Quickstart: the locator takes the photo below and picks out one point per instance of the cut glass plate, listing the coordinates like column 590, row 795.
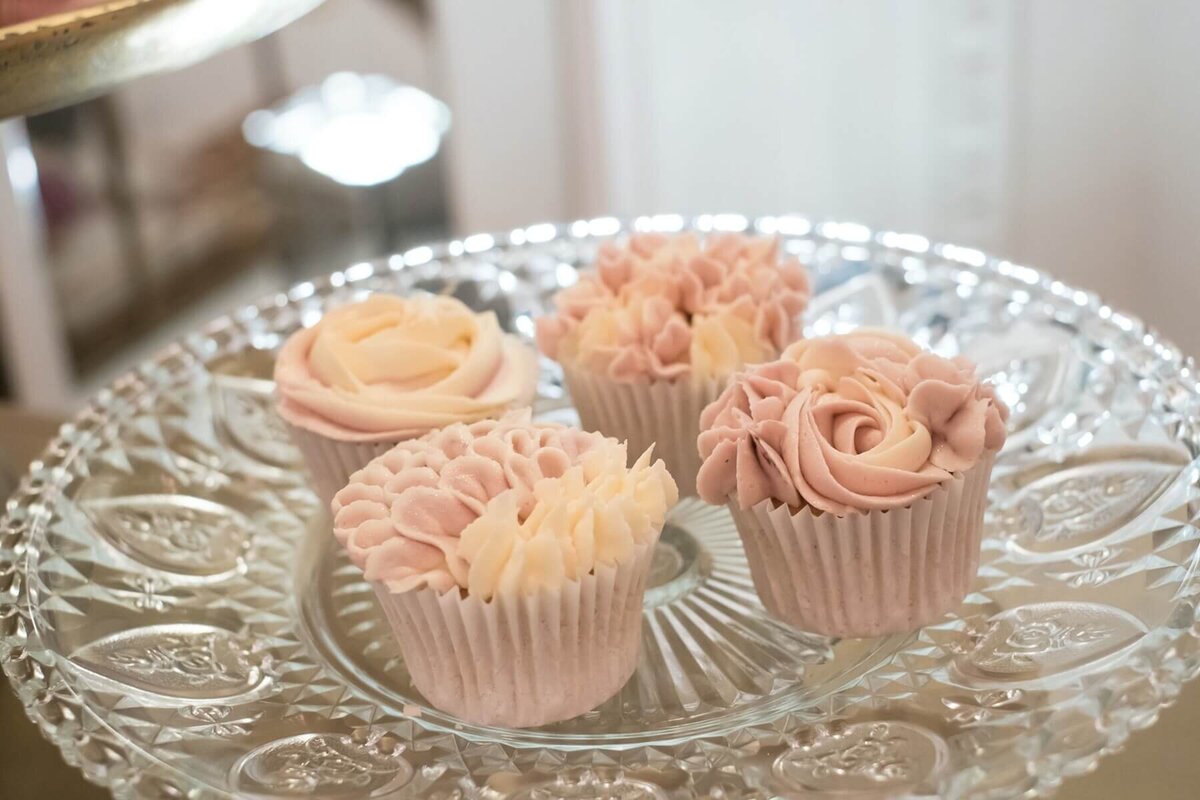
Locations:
column 175, row 617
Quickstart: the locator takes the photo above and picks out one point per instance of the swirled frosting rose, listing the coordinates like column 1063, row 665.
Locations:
column 861, row 422
column 505, row 506
column 670, row 307
column 395, row 367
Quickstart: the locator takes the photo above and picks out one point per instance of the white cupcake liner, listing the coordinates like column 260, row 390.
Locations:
column 523, row 661
column 331, row 462
column 663, row 413
column 868, row 573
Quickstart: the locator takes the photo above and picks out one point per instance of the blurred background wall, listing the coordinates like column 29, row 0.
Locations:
column 1058, row 133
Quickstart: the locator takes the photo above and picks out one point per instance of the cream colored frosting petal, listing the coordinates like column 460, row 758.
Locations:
column 393, row 367
column 512, row 507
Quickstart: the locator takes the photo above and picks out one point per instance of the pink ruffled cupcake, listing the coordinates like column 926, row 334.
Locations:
column 649, row 337
column 856, row 468
column 510, row 558
column 374, row 373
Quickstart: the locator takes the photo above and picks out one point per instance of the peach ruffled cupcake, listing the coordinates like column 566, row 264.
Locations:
column 510, row 558
column 650, row 336
column 374, row 373
column 856, row 468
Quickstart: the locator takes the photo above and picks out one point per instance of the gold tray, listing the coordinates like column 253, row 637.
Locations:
column 56, row 60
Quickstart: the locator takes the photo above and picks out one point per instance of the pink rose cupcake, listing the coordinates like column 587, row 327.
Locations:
column 856, row 468
column 371, row 374
column 510, row 558
column 650, row 337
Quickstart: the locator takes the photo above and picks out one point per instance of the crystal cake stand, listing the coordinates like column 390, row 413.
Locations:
column 174, row 618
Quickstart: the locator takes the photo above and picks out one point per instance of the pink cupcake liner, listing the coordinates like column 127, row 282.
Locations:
column 331, row 462
column 868, row 573
column 523, row 661
column 663, row 413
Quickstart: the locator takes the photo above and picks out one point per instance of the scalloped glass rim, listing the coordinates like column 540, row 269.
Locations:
column 35, row 673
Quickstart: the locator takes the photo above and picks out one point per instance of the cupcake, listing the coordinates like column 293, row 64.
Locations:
column 374, row 373
column 856, row 468
column 650, row 336
column 510, row 558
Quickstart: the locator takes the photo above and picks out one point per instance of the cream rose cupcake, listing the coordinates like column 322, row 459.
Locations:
column 856, row 468
column 649, row 337
column 374, row 373
column 510, row 558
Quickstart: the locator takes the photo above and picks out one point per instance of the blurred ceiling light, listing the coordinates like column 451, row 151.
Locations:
column 358, row 130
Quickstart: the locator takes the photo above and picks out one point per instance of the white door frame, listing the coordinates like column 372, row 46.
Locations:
column 35, row 349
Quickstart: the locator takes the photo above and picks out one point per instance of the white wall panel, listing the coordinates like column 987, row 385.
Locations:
column 1062, row 133
column 499, row 68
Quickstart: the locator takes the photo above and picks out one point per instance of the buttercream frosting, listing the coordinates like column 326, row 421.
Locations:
column 507, row 506
column 395, row 367
column 670, row 307
column 863, row 421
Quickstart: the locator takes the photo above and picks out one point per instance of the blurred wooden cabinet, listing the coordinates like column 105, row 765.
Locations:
column 151, row 200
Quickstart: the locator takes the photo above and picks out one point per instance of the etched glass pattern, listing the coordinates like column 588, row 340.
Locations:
column 175, row 617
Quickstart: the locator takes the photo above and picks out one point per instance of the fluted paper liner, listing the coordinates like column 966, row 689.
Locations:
column 523, row 661
column 868, row 573
column 331, row 462
column 663, row 413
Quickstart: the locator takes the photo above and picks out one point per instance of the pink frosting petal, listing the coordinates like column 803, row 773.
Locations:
column 397, row 558
column 667, row 281
column 548, row 332
column 960, row 442
column 671, row 344
column 402, row 515
column 718, row 474
column 963, row 416
column 994, row 432
column 613, row 267
column 934, row 402
column 857, row 422
column 765, row 463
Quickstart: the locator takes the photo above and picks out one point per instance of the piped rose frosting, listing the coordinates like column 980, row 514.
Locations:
column 864, row 421
column 395, row 367
column 670, row 307
column 507, row 506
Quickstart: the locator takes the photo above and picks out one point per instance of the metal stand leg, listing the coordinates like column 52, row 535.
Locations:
column 35, row 349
